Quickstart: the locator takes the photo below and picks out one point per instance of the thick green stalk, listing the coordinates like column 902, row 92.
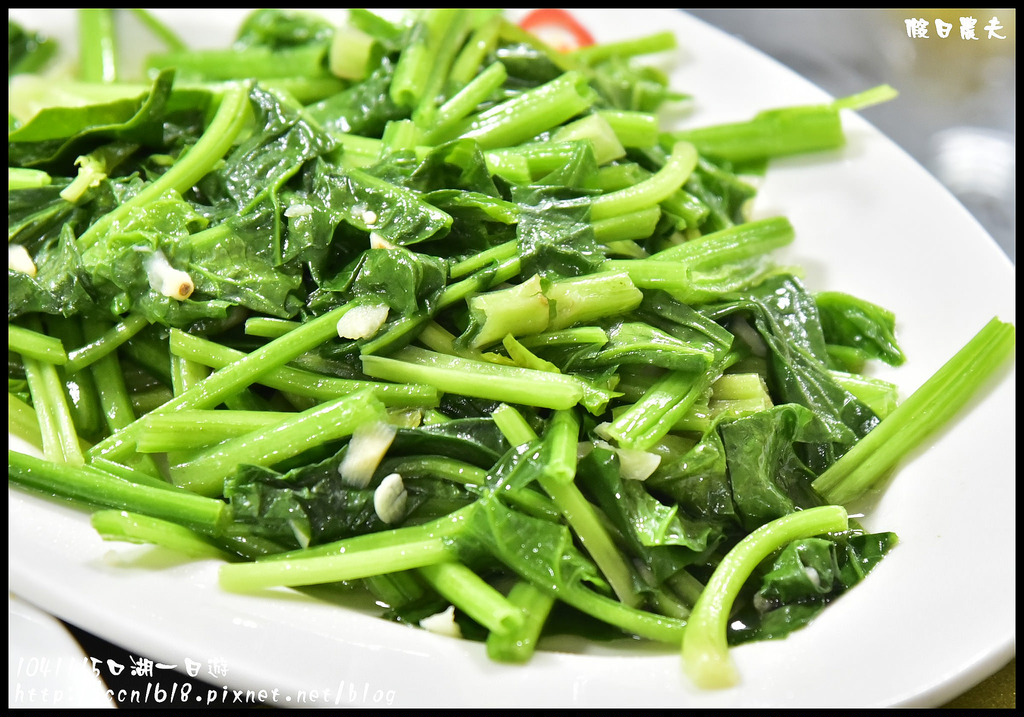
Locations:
column 94, row 487
column 36, row 345
column 124, row 526
column 296, row 570
column 627, row 227
column 466, row 100
column 23, row 422
column 235, row 376
column 704, row 647
column 474, row 596
column 24, row 178
column 101, row 346
column 467, row 64
column 656, row 188
column 519, row 645
column 420, row 53
column 80, row 389
column 656, row 413
column 530, row 113
column 634, row 129
column 732, row 244
column 602, row 51
column 558, row 457
column 191, row 429
column 299, row 381
column 293, row 434
column 926, row 410
column 97, row 45
column 774, row 133
column 57, row 426
column 480, row 379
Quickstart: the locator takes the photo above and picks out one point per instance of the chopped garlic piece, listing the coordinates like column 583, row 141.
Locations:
column 19, row 260
column 362, row 322
column 365, row 451
column 166, row 280
column 633, row 464
column 390, row 498
column 369, row 217
column 813, row 576
column 443, row 623
column 298, row 210
column 379, row 242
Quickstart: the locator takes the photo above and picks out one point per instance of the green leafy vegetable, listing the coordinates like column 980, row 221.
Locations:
column 430, row 309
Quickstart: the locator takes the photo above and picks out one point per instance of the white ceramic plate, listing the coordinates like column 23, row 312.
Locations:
column 936, row 617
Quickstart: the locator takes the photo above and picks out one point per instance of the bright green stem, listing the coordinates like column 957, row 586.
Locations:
column 36, row 345
column 466, row 66
column 269, row 328
column 633, row 129
column 575, row 336
column 94, row 487
column 656, row 188
column 602, row 51
column 626, row 227
column 124, row 526
column 629, row 619
column 483, row 259
column 299, row 381
column 479, row 379
column 705, row 648
column 448, row 45
column 519, row 645
column 466, row 100
column 185, row 374
column 773, row 133
column 926, row 410
column 25, row 178
column 115, row 402
column 196, row 163
column 295, row 433
column 867, row 98
column 439, row 466
column 97, row 45
column 474, row 596
column 530, row 113
column 80, row 388
column 56, row 424
column 648, row 420
column 584, row 299
column 582, row 517
column 731, row 245
column 235, row 376
column 593, row 128
column 112, row 339
column 295, row 570
column 353, row 54
column 558, row 456
column 560, row 447
column 419, row 55
column 23, row 422
column 190, row 429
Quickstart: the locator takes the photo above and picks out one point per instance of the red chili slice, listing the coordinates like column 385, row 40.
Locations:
column 558, row 28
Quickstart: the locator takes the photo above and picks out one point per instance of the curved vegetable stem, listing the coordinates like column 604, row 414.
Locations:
column 190, row 168
column 705, row 650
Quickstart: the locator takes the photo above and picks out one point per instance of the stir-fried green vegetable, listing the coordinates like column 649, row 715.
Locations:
column 431, row 309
